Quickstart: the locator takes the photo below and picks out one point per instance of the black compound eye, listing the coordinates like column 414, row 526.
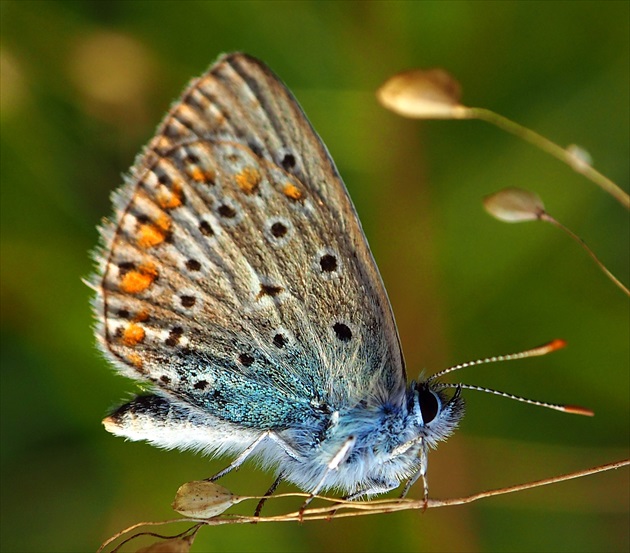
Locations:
column 429, row 405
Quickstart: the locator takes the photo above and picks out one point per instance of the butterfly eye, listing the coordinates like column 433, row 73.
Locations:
column 429, row 404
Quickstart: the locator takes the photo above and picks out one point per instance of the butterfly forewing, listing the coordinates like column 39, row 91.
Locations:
column 236, row 275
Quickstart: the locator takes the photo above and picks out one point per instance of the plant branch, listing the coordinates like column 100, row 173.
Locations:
column 343, row 509
column 552, row 148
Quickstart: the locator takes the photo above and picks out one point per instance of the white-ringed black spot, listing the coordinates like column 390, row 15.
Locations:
column 206, row 229
column 123, row 314
column 278, row 230
column 192, row 158
column 125, row 267
column 164, row 179
column 343, row 332
column 280, row 340
column 188, row 301
column 193, row 265
column 174, row 335
column 328, row 263
column 218, row 399
column 246, row 359
column 165, row 379
column 200, row 385
column 269, row 290
column 288, row 162
column 209, row 178
column 227, row 211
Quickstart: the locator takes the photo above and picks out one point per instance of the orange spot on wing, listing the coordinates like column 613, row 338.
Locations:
column 292, row 191
column 135, row 360
column 196, row 174
column 248, row 180
column 141, row 316
column 205, row 176
column 138, row 280
column 170, row 199
column 150, row 235
column 133, row 335
column 164, row 222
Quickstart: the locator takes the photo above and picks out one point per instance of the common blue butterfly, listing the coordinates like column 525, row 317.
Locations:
column 235, row 279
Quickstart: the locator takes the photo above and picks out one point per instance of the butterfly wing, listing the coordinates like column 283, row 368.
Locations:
column 236, row 276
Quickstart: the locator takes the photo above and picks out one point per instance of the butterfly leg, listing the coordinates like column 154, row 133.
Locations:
column 284, row 446
column 240, row 459
column 421, row 472
column 291, row 453
column 250, row 448
column 268, row 494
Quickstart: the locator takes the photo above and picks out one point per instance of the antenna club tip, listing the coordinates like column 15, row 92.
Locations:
column 577, row 410
column 556, row 344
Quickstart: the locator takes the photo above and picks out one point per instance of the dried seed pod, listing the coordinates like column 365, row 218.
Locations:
column 420, row 94
column 513, row 205
column 203, row 499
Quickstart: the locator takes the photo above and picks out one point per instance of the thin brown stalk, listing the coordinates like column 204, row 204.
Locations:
column 344, row 509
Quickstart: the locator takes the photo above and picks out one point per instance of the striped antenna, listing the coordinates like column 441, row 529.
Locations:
column 573, row 409
column 534, row 352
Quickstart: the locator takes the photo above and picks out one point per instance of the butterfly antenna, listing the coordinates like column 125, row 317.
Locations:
column 534, row 352
column 573, row 409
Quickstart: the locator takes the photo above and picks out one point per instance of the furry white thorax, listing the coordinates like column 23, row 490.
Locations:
column 389, row 443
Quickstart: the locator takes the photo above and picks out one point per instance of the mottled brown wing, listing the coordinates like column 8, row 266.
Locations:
column 236, row 261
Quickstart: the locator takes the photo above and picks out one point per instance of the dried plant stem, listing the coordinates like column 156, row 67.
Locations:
column 549, row 219
column 529, row 485
column 343, row 509
column 392, row 505
column 189, row 531
column 550, row 147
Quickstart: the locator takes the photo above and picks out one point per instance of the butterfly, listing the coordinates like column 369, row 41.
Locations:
column 235, row 280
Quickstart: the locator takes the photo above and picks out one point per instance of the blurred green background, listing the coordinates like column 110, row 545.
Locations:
column 84, row 84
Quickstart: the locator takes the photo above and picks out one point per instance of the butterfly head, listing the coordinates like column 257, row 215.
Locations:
column 434, row 413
